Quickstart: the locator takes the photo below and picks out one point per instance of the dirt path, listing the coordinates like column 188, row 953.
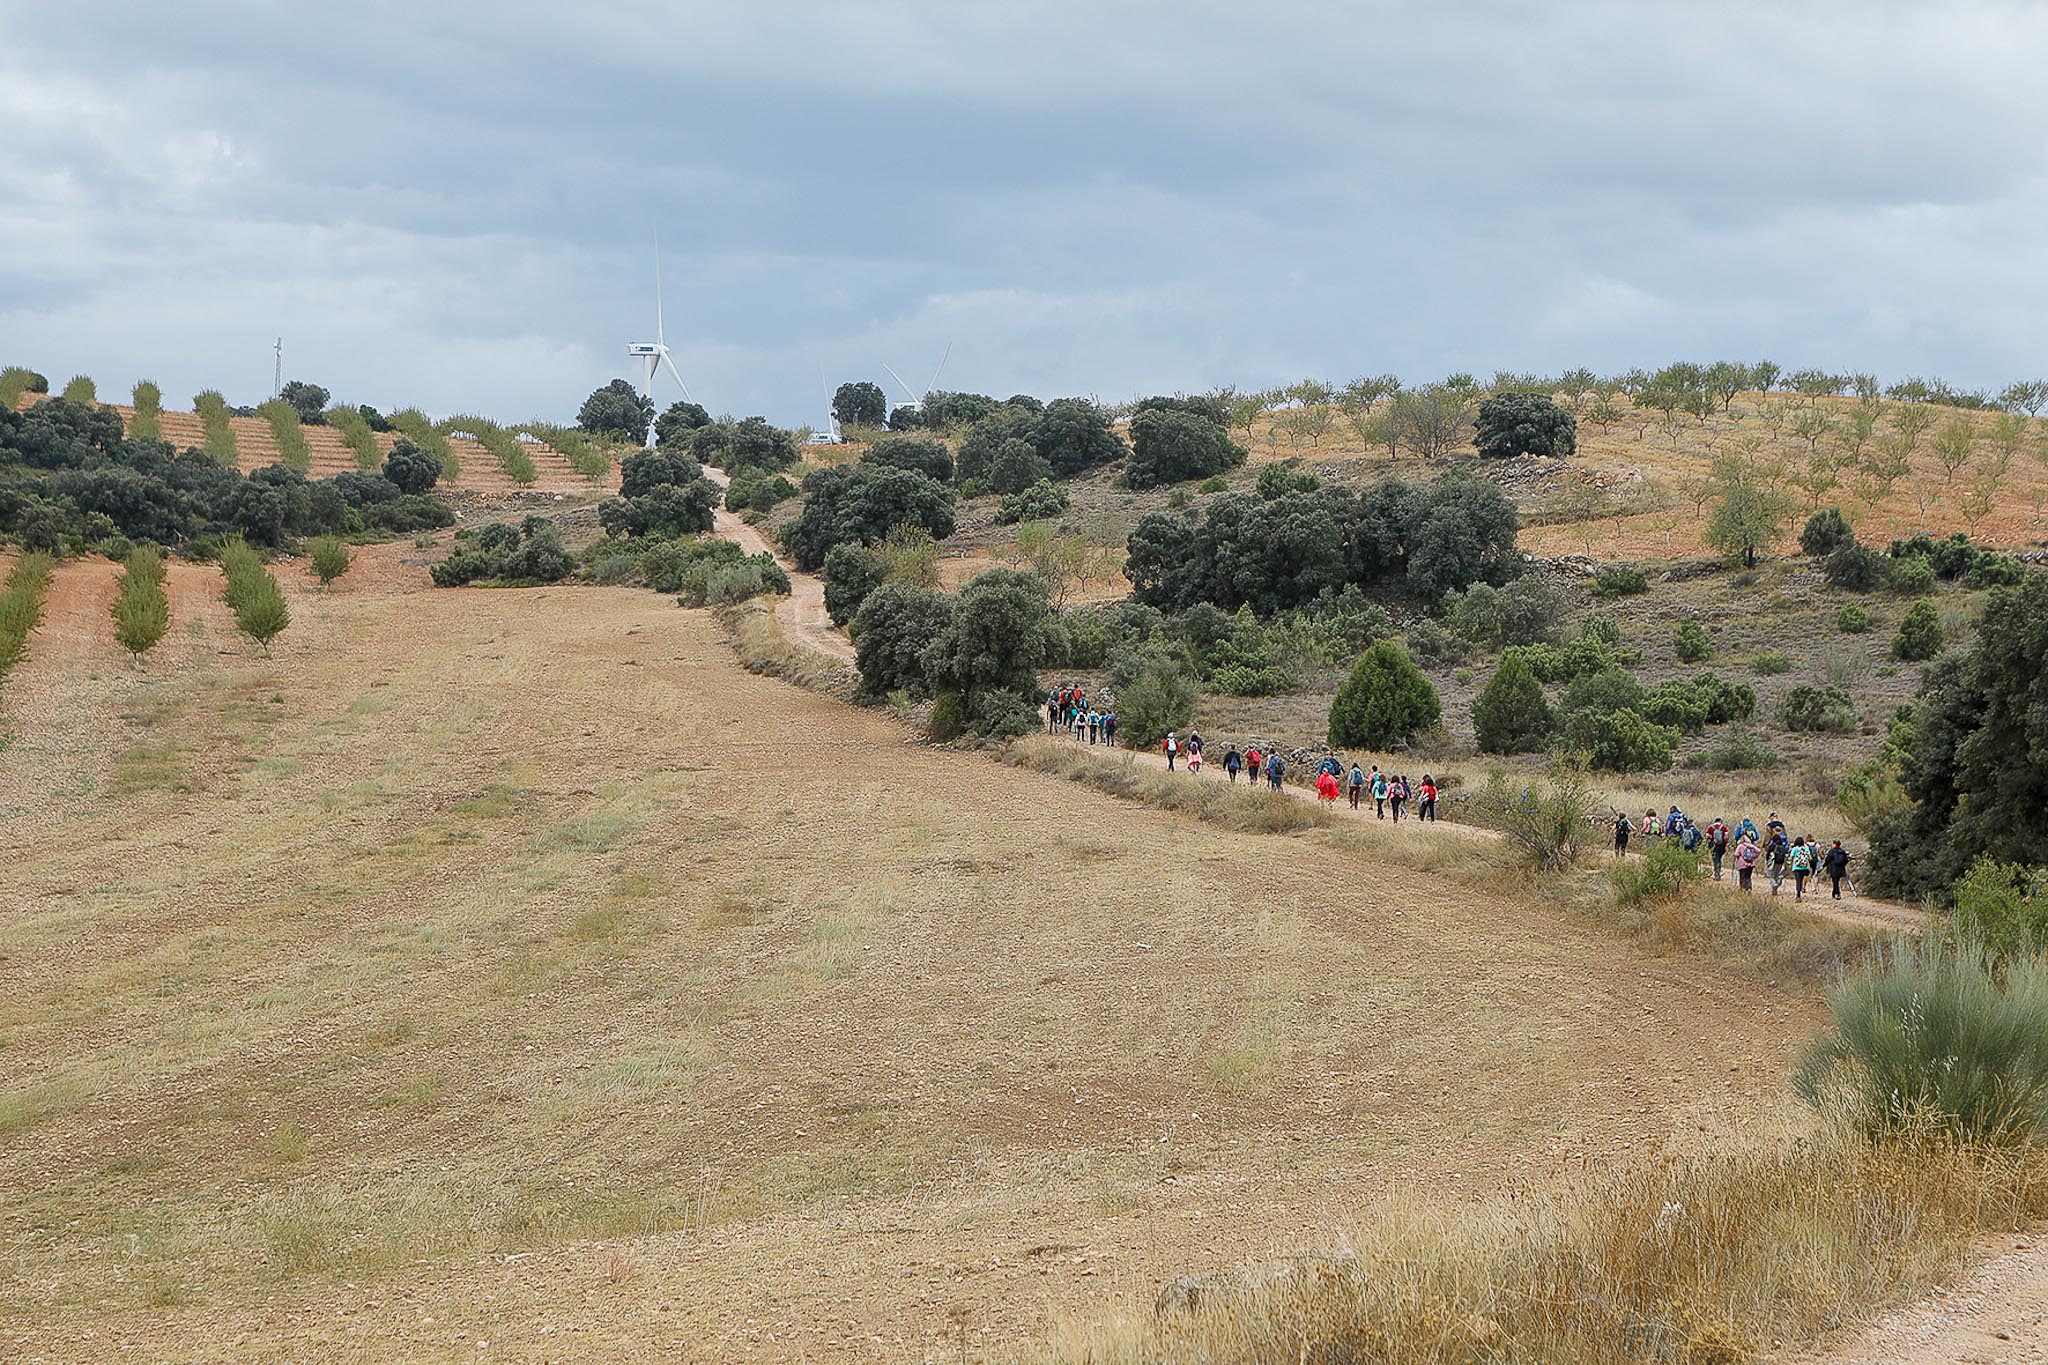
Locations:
column 1860, row 912
column 1997, row 1315
column 802, row 613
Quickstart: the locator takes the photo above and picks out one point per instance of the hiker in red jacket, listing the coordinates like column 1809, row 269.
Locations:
column 1326, row 787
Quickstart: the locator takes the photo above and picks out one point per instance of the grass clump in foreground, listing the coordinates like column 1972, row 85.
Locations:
column 21, row 606
column 1253, row 810
column 143, row 423
column 219, row 438
column 292, row 451
column 355, row 431
column 762, row 647
column 141, row 612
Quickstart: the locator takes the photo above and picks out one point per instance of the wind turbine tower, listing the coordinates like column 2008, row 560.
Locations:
column 653, row 355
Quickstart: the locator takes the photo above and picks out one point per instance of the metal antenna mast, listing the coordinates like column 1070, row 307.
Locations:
column 277, row 373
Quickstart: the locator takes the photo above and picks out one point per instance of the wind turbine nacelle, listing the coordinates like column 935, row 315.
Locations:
column 821, row 438
column 645, row 349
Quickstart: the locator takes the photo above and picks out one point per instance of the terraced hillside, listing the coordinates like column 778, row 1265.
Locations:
column 481, row 471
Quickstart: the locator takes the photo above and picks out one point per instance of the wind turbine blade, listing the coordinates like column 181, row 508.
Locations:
column 677, row 373
column 658, row 336
column 908, row 392
column 941, row 370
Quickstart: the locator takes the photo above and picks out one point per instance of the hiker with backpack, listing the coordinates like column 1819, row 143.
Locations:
column 1233, row 763
column 1746, row 855
column 1717, row 843
column 1835, row 862
column 1380, row 788
column 1690, row 838
column 1426, row 808
column 1621, row 829
column 1777, row 857
column 1397, row 796
column 1326, row 785
column 1356, row 782
column 1275, row 771
column 1802, row 867
column 1171, row 744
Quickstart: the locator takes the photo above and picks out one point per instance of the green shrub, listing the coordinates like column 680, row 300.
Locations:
column 355, row 432
column 1547, row 823
column 21, row 606
column 1678, row 705
column 1995, row 571
column 1278, row 480
column 1856, row 568
column 252, row 594
column 1510, row 714
column 1620, row 580
column 1726, row 700
column 1871, row 791
column 1248, row 680
column 1931, row 1035
column 948, row 719
column 1920, row 635
column 1039, row 502
column 1692, row 643
column 1771, row 662
column 1912, row 576
column 1817, row 708
column 330, row 558
column 1431, row 643
column 1620, row 741
column 509, row 556
column 1852, row 620
column 141, row 612
column 2004, row 907
column 1384, row 703
column 1215, row 483
column 1161, row 698
column 80, row 389
column 218, row 440
column 145, row 423
column 1826, row 532
column 1740, row 752
column 1664, row 871
column 292, row 451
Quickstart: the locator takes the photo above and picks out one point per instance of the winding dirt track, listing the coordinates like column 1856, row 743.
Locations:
column 802, row 613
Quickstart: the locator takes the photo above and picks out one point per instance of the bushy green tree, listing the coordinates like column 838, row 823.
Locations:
column 330, row 558
column 1073, row 435
column 1016, row 466
column 1692, row 644
column 1619, row 741
column 1512, row 424
column 1039, row 502
column 617, row 411
column 1920, row 635
column 1817, row 707
column 1160, row 698
column 412, row 468
column 1750, row 511
column 860, row 503
column 1855, row 567
column 925, row 454
column 678, row 422
column 1384, row 703
column 309, row 401
column 851, row 572
column 859, row 403
column 891, row 631
column 1826, row 531
column 1510, row 713
column 1167, row 447
column 141, row 612
column 996, row 641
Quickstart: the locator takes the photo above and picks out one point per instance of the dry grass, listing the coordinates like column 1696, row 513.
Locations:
column 764, row 648
column 1716, row 1255
column 1243, row 807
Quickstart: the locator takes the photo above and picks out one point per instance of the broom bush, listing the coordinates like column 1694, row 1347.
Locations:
column 292, row 451
column 148, row 403
column 330, row 558
column 219, row 441
column 414, row 424
column 21, row 606
column 355, row 430
column 252, row 594
column 512, row 456
column 141, row 612
column 81, row 389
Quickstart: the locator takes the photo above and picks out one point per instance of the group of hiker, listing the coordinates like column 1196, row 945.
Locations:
column 1771, row 847
column 1387, row 791
column 1067, row 707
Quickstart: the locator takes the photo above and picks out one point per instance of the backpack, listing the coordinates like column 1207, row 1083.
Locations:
column 1690, row 840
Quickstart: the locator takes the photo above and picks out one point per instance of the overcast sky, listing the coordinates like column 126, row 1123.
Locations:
column 452, row 205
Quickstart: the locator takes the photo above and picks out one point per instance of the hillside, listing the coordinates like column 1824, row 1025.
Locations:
column 256, row 446
column 387, row 996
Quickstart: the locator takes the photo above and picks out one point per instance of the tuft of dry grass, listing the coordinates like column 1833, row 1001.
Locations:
column 764, row 649
column 1696, row 1256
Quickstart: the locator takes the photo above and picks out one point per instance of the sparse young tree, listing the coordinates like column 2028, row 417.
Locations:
column 1763, row 376
column 141, row 612
column 1911, row 421
column 1751, row 512
column 1955, row 445
column 2028, row 396
column 1811, row 425
column 1889, row 459
column 330, row 558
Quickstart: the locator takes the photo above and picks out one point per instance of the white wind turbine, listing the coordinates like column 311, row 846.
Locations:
column 652, row 355
column 916, row 400
column 829, row 436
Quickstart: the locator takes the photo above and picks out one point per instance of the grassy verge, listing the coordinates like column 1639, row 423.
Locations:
column 219, row 441
column 1717, row 1256
column 15, row 381
column 421, row 432
column 292, row 450
column 511, row 455
column 149, row 404
column 356, row 432
column 758, row 639
column 591, row 459
column 1253, row 811
column 81, row 389
column 21, row 606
